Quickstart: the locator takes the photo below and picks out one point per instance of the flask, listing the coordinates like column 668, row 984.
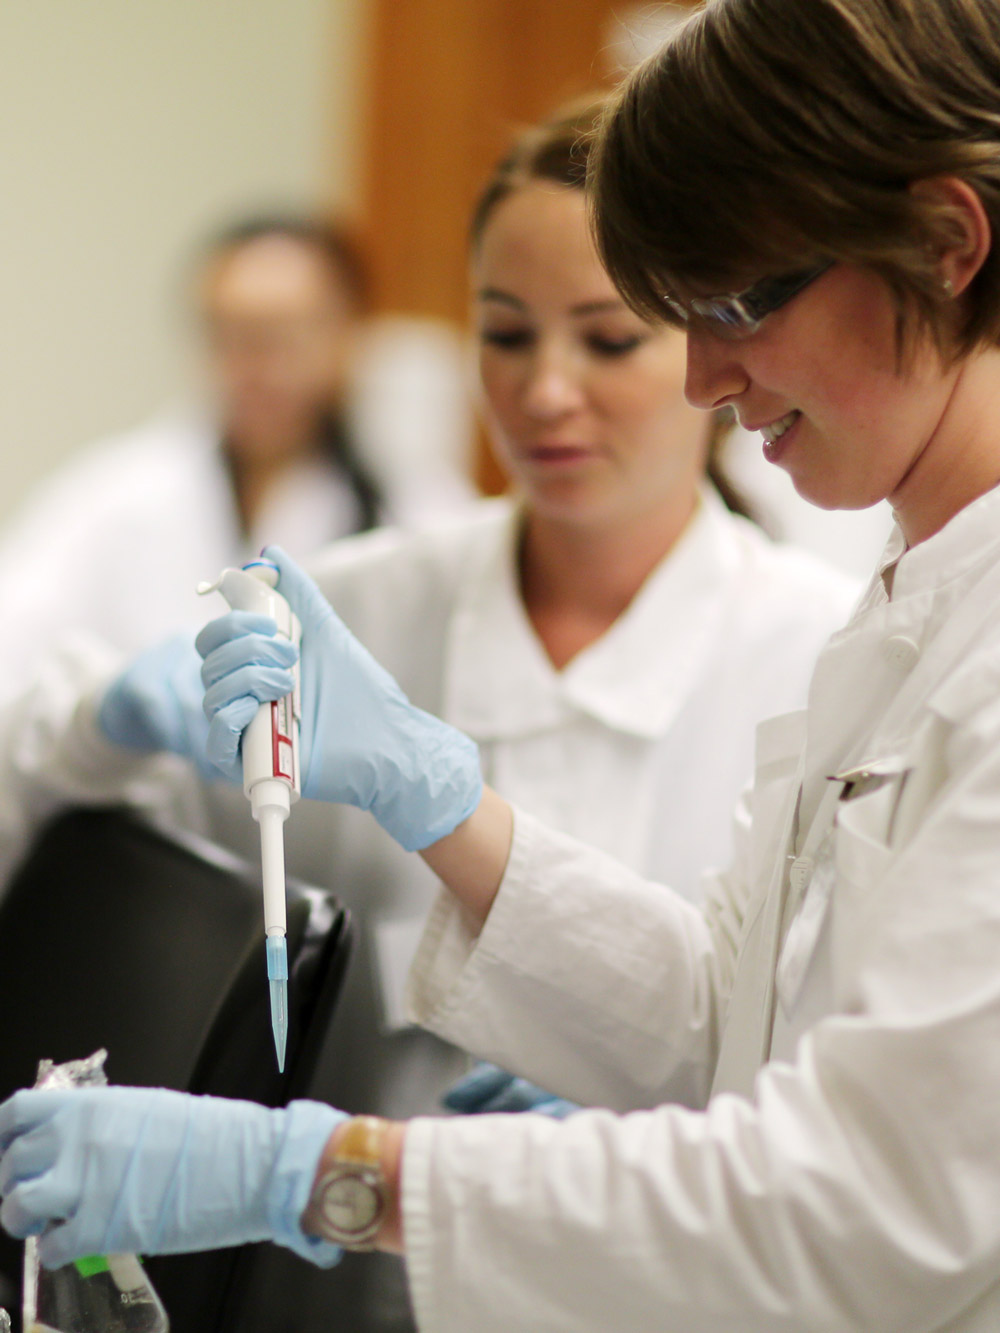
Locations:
column 102, row 1293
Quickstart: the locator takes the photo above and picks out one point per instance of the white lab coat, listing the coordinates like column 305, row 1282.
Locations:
column 115, row 542
column 838, row 999
column 657, row 715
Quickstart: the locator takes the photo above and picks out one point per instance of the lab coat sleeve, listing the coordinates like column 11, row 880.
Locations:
column 856, row 1189
column 53, row 754
column 620, row 982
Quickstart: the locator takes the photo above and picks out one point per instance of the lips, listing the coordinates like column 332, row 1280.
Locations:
column 780, row 435
column 558, row 453
column 773, row 432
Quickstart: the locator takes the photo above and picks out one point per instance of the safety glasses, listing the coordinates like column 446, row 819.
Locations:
column 739, row 314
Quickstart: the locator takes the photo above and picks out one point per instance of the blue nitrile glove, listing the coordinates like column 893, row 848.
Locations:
column 148, row 1171
column 157, row 703
column 487, row 1089
column 363, row 742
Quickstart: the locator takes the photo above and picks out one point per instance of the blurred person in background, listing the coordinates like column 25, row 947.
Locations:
column 610, row 636
column 317, row 422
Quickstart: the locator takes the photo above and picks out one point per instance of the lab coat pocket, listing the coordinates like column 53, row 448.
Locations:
column 865, row 825
column 859, row 857
column 863, row 850
column 848, row 859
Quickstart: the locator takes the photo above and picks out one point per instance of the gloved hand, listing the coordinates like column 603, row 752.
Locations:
column 487, row 1089
column 157, row 703
column 363, row 742
column 145, row 1170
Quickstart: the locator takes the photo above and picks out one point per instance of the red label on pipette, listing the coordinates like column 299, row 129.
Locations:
column 281, row 740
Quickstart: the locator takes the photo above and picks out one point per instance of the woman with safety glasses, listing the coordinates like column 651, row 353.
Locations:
column 610, row 636
column 739, row 314
column 822, row 1036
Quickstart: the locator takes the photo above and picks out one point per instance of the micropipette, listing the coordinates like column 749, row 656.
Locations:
column 270, row 750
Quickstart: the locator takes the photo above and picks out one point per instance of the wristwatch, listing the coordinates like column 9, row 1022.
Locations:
column 350, row 1199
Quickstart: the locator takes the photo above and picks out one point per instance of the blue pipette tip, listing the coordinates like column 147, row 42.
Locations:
column 277, row 975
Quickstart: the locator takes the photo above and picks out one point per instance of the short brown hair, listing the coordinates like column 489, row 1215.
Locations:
column 770, row 135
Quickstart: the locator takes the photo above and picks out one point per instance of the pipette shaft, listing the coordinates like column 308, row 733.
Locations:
column 270, row 802
column 270, row 752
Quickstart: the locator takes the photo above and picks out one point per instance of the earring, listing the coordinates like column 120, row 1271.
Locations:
column 948, row 288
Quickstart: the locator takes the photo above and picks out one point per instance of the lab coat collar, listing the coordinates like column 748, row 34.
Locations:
column 868, row 663
column 969, row 539
column 499, row 682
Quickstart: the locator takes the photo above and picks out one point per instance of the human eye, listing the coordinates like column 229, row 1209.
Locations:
column 605, row 345
column 506, row 339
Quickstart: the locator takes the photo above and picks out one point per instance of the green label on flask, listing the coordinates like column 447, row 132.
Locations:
column 91, row 1265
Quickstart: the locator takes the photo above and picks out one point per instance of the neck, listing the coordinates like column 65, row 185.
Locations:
column 577, row 580
column 255, row 471
column 961, row 460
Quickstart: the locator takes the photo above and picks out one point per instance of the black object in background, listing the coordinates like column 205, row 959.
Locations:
column 114, row 934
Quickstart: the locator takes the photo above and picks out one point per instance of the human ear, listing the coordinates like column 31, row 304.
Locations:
column 969, row 239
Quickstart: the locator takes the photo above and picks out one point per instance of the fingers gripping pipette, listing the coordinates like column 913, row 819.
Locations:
column 270, row 751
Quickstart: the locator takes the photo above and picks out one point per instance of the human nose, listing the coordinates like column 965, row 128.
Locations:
column 551, row 386
column 715, row 376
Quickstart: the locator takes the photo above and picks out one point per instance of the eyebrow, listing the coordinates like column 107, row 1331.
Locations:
column 584, row 307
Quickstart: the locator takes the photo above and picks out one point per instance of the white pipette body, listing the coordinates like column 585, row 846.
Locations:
column 271, row 778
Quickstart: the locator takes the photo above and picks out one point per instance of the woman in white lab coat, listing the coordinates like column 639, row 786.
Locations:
column 619, row 668
column 832, row 1012
column 315, row 424
column 611, row 637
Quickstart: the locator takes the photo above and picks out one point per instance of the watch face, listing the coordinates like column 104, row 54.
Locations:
column 350, row 1203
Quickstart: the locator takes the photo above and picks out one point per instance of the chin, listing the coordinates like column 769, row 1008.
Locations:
column 832, row 493
column 565, row 498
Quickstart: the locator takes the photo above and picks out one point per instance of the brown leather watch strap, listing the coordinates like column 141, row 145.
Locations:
column 360, row 1140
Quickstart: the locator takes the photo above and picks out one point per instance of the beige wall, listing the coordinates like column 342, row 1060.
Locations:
column 127, row 129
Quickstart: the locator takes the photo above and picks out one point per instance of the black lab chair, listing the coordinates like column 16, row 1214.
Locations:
column 115, row 934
